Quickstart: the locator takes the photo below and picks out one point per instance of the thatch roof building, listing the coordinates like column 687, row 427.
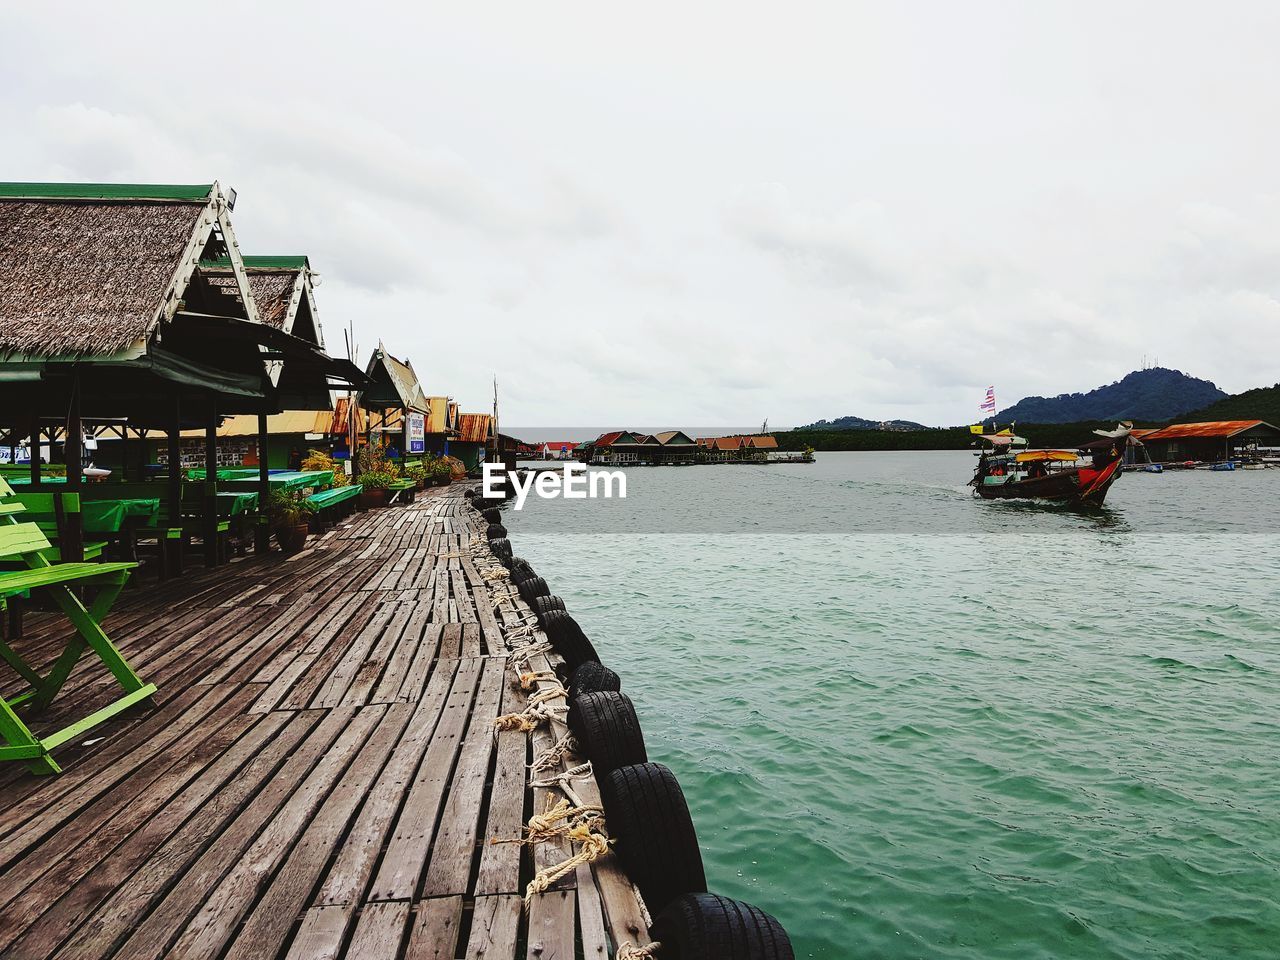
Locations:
column 93, row 270
column 138, row 294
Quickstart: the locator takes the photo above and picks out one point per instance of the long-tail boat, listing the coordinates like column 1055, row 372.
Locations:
column 1008, row 470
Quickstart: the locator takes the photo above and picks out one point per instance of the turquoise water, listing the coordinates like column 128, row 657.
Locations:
column 968, row 729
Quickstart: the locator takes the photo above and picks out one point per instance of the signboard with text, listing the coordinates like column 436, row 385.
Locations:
column 416, row 433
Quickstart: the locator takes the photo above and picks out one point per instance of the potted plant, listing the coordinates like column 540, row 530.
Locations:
column 290, row 519
column 418, row 473
column 441, row 472
column 375, row 484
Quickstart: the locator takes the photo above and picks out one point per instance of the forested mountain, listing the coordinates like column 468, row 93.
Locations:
column 1261, row 403
column 1155, row 394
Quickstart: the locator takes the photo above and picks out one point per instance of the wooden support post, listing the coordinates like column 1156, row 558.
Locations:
column 211, row 488
column 172, row 562
column 72, row 547
column 35, row 450
column 262, row 532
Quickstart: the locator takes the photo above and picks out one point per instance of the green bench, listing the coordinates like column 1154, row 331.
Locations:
column 402, row 490
column 332, row 505
column 26, row 543
column 55, row 513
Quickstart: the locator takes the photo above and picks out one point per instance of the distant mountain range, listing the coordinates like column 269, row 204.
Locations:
column 857, row 423
column 1155, row 394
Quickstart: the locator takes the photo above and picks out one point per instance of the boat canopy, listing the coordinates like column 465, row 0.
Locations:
column 1004, row 440
column 1035, row 456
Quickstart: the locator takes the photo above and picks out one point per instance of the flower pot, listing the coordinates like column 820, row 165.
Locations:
column 292, row 538
column 371, row 498
column 422, row 484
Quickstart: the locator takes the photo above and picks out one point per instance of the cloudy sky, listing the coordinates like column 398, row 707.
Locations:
column 712, row 213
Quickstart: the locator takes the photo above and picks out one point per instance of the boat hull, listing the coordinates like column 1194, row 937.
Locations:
column 1085, row 486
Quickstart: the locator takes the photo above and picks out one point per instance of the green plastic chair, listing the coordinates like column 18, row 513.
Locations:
column 26, row 543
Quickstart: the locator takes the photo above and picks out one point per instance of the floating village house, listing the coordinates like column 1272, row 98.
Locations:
column 397, row 407
column 1209, row 442
column 557, row 449
column 129, row 306
column 475, row 432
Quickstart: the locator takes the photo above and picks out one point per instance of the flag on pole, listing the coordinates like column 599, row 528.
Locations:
column 989, row 404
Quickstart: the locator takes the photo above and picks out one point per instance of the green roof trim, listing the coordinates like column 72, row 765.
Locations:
column 264, row 263
column 108, row 191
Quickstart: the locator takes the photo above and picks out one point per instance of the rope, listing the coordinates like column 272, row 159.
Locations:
column 533, row 716
column 563, row 781
column 552, row 757
column 594, row 846
column 629, row 951
column 558, row 820
column 530, row 679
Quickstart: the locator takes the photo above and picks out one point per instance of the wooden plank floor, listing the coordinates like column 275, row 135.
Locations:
column 320, row 778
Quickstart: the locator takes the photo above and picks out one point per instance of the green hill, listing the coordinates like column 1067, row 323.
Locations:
column 1262, row 403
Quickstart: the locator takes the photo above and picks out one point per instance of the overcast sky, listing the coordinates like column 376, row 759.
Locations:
column 705, row 213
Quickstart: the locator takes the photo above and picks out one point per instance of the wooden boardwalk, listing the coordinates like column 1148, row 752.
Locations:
column 321, row 777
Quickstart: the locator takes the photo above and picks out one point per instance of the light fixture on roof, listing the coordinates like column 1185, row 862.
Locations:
column 231, row 198
column 315, row 279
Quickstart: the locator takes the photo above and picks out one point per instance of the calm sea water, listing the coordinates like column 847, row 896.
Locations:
column 911, row 724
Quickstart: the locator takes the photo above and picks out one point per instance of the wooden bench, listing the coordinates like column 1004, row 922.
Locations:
column 55, row 514
column 27, row 543
column 333, row 504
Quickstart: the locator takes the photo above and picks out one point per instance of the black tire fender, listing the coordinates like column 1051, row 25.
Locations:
column 653, row 834
column 705, row 926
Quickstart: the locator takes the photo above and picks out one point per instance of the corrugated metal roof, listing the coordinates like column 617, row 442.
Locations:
column 474, row 427
column 291, row 421
column 1209, row 430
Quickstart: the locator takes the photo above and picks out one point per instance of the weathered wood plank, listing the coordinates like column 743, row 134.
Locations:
column 435, row 930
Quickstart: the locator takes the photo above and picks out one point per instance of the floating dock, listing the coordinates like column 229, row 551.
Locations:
column 321, row 777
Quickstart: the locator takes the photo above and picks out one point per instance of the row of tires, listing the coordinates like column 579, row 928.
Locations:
column 646, row 811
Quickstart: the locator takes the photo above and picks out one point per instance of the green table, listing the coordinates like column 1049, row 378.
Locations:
column 224, row 473
column 232, row 503
column 102, row 516
column 288, row 480
column 25, row 481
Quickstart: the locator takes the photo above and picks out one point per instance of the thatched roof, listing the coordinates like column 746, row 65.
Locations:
column 272, row 290
column 90, row 269
column 86, row 278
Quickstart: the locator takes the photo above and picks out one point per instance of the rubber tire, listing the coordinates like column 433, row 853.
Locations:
column 496, row 531
column 470, row 493
column 705, row 926
column 533, row 587
column 493, row 515
column 593, row 677
column 501, row 548
column 521, row 570
column 544, row 605
column 608, row 730
column 568, row 639
column 653, row 833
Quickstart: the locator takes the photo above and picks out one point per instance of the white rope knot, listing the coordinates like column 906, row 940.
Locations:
column 553, row 756
column 629, row 951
